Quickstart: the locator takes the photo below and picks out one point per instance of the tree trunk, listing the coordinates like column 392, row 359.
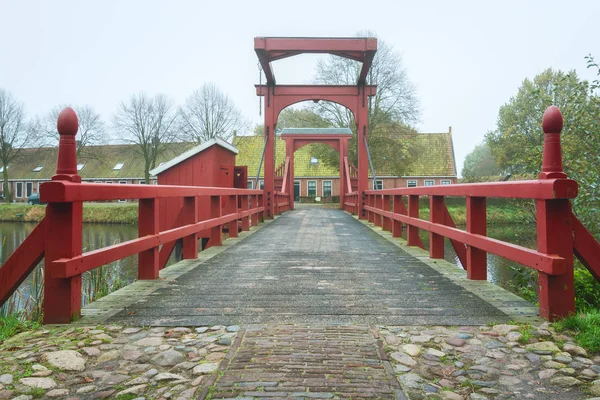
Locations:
column 7, row 194
column 147, row 174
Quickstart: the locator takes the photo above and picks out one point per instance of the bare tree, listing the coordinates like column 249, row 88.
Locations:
column 91, row 127
column 395, row 100
column 15, row 134
column 147, row 122
column 209, row 113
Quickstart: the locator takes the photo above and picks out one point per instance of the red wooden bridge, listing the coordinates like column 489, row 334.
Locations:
column 203, row 212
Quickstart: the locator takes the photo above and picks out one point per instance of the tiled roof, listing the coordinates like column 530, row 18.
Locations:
column 99, row 162
column 436, row 157
column 316, row 131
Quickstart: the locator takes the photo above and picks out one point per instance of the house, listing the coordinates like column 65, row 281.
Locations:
column 118, row 164
column 436, row 165
column 122, row 164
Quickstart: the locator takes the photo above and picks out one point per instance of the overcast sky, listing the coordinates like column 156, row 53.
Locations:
column 465, row 58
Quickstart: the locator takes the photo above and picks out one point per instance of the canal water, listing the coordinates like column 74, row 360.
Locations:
column 500, row 271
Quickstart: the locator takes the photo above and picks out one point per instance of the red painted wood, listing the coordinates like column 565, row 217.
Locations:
column 549, row 263
column 62, row 296
column 536, row 189
column 459, row 248
column 190, row 217
column 22, row 262
column 387, row 222
column 216, row 235
column 244, row 205
column 397, row 208
column 554, row 236
column 379, row 205
column 587, row 249
column 232, row 209
column 66, row 267
column 436, row 216
column 413, row 212
column 66, row 164
column 148, row 225
column 552, row 124
column 477, row 224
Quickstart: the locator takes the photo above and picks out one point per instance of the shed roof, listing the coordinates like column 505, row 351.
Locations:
column 192, row 152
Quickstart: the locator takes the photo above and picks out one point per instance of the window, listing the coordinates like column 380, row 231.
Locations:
column 108, row 182
column 378, row 184
column 97, row 181
column 411, row 183
column 326, row 188
column 445, row 182
column 142, row 182
column 312, row 188
column 19, row 190
column 122, row 183
column 118, row 166
column 155, row 182
column 80, row 166
column 429, row 182
column 28, row 189
column 250, row 184
column 314, row 160
column 261, row 185
column 38, row 168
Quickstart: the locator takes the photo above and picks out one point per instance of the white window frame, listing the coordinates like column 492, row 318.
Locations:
column 17, row 196
column 299, row 182
column 155, row 182
column 429, row 182
column 323, row 187
column 118, row 166
column 445, row 182
column 250, row 184
column 308, row 188
column 108, row 182
column 261, row 185
column 377, row 184
column 97, row 181
column 28, row 184
column 80, row 166
column 414, row 181
column 38, row 168
column 122, row 183
column 142, row 182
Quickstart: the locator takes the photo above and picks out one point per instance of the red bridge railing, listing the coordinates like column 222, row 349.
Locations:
column 560, row 235
column 58, row 238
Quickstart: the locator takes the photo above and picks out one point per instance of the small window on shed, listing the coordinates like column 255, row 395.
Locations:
column 314, row 160
column 411, row 183
column 38, row 168
column 80, row 166
column 118, row 166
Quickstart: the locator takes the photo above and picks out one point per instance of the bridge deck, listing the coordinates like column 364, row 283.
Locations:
column 311, row 265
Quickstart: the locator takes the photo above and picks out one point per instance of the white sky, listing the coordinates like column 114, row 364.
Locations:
column 466, row 58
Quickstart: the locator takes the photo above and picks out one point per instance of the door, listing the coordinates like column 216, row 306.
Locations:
column 296, row 190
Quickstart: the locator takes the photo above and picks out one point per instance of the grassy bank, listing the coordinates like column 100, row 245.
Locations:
column 107, row 213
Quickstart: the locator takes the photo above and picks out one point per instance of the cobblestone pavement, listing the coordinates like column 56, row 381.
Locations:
column 283, row 361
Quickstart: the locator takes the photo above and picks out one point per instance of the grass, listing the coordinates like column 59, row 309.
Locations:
column 108, row 213
column 585, row 327
column 11, row 325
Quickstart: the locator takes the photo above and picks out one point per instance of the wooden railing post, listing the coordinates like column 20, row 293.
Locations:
column 253, row 204
column 216, row 233
column 385, row 206
column 436, row 215
column 397, row 208
column 232, row 204
column 413, row 211
column 190, row 216
column 377, row 205
column 148, row 224
column 261, row 203
column 244, row 203
column 555, row 227
column 371, row 203
column 62, row 297
column 476, row 223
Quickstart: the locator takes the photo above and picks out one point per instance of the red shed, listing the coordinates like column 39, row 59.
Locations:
column 211, row 164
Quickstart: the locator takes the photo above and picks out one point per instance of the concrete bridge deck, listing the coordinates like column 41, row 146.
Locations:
column 312, row 264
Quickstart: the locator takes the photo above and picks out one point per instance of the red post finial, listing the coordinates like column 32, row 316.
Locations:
column 66, row 165
column 552, row 124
